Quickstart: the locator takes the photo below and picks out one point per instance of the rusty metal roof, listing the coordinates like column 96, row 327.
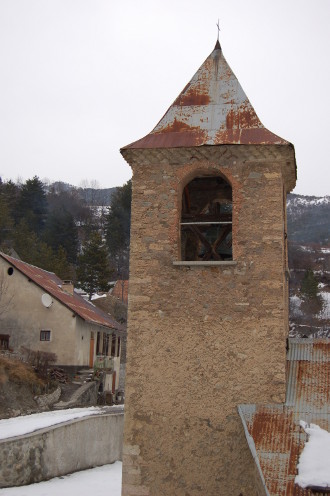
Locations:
column 275, row 438
column 211, row 110
column 52, row 284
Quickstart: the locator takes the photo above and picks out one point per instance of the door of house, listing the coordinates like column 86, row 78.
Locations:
column 114, row 382
column 91, row 351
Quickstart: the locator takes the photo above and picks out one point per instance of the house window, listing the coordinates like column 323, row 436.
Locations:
column 206, row 220
column 98, row 343
column 4, row 341
column 44, row 335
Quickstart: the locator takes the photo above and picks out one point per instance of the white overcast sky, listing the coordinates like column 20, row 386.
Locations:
column 81, row 78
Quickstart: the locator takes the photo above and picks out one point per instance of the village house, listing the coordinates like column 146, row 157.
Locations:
column 42, row 312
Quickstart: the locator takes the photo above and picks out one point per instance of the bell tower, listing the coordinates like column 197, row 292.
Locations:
column 208, row 293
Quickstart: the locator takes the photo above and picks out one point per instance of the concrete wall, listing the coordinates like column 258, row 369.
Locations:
column 202, row 339
column 62, row 449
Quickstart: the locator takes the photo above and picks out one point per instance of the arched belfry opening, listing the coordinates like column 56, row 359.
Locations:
column 206, row 220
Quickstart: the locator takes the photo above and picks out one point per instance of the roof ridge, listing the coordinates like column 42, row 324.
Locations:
column 74, row 302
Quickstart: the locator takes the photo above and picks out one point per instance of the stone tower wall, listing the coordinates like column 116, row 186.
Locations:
column 202, row 340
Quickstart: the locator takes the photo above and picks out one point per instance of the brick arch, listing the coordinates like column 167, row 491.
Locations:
column 207, row 171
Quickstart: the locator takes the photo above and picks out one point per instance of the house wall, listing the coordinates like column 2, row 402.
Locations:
column 202, row 339
column 83, row 332
column 25, row 316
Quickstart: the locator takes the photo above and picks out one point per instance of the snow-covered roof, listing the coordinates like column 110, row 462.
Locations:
column 314, row 461
column 275, row 433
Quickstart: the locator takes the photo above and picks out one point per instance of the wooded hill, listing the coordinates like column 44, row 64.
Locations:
column 308, row 219
column 309, row 263
column 79, row 233
column 83, row 234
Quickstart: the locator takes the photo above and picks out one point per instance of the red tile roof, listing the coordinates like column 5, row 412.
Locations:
column 52, row 284
column 273, row 431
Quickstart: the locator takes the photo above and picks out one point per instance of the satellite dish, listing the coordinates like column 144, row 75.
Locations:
column 46, row 300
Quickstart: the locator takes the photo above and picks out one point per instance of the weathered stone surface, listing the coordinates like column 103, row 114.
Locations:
column 46, row 400
column 202, row 339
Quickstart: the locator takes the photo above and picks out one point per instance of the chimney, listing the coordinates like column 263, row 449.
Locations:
column 68, row 287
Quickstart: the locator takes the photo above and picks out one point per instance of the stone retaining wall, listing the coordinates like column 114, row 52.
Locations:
column 61, row 449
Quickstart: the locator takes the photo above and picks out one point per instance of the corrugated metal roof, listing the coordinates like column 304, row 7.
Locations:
column 211, row 110
column 273, row 431
column 52, row 284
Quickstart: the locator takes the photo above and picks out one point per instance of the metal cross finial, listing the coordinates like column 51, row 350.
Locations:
column 218, row 29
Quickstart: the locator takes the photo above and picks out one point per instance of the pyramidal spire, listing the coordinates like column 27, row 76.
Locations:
column 211, row 110
column 217, row 45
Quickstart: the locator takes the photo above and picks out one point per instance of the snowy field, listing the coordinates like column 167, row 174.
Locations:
column 100, row 481
column 295, row 304
column 325, row 313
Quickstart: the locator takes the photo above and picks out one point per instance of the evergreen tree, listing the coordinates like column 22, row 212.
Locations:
column 10, row 192
column 25, row 243
column 8, row 199
column 61, row 266
column 312, row 302
column 118, row 228
column 36, row 252
column 93, row 271
column 6, row 221
column 61, row 231
column 309, row 286
column 32, row 205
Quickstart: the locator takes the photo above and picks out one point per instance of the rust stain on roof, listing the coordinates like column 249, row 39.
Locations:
column 261, row 432
column 211, row 110
column 193, row 96
column 52, row 284
column 243, row 118
column 310, row 386
column 178, row 127
column 275, row 430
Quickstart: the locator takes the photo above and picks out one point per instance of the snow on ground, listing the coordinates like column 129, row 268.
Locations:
column 308, row 200
column 295, row 303
column 325, row 312
column 97, row 296
column 17, row 426
column 314, row 461
column 100, row 481
column 307, row 249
